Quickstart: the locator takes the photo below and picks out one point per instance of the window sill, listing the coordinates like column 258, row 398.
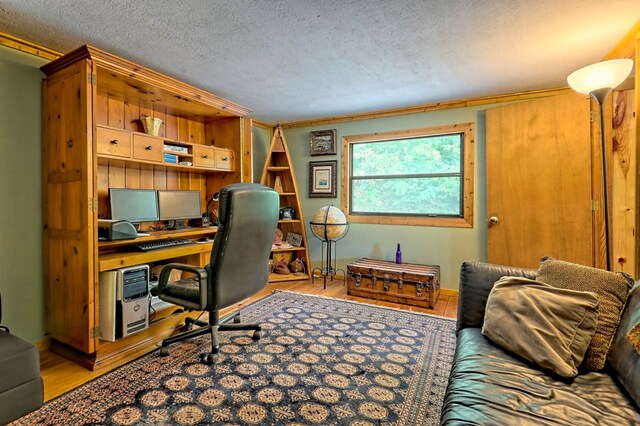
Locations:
column 445, row 222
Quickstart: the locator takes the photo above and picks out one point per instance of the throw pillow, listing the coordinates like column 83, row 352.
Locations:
column 633, row 336
column 612, row 290
column 548, row 326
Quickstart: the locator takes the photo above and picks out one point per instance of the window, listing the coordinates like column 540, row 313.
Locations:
column 414, row 177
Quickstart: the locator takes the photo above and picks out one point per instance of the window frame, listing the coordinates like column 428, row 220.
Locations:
column 466, row 221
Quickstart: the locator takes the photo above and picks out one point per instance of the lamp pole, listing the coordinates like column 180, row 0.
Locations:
column 599, row 95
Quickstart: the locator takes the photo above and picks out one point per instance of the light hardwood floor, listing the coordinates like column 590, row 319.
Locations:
column 61, row 375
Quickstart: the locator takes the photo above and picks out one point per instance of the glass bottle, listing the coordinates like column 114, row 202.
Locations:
column 398, row 255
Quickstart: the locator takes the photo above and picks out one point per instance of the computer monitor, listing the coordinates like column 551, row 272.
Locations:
column 134, row 205
column 179, row 205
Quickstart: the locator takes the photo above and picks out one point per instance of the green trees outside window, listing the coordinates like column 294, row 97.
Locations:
column 415, row 176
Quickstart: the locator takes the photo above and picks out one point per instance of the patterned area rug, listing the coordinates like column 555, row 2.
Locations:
column 320, row 361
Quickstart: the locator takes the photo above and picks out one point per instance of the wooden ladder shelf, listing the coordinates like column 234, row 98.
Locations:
column 278, row 174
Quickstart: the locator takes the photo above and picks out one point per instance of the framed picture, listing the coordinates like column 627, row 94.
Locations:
column 294, row 239
column 322, row 179
column 323, row 142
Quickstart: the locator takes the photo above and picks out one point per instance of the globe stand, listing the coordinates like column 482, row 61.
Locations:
column 328, row 233
column 330, row 268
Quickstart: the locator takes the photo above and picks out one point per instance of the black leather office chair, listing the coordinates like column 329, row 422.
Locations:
column 248, row 217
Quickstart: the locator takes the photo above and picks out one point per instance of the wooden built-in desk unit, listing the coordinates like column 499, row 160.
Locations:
column 93, row 141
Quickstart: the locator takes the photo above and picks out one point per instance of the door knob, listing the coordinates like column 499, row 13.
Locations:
column 493, row 220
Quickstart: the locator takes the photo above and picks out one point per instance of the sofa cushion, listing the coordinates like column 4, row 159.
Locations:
column 612, row 289
column 548, row 326
column 487, row 386
column 23, row 399
column 624, row 359
column 19, row 362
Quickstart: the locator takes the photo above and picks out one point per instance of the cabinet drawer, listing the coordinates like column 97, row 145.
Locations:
column 113, row 142
column 203, row 156
column 224, row 158
column 147, row 148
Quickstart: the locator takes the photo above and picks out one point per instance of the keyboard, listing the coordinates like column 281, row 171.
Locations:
column 155, row 245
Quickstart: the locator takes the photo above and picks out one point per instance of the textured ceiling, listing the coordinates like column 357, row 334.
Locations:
column 291, row 60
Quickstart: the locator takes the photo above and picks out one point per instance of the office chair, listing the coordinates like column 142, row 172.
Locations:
column 247, row 220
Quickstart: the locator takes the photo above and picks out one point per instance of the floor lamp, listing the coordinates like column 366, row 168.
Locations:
column 598, row 80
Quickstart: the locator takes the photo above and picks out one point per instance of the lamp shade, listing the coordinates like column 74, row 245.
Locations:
column 601, row 75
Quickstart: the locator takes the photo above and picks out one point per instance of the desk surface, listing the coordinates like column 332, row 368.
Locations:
column 114, row 254
column 161, row 235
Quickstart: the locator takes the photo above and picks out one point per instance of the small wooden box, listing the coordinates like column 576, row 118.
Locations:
column 406, row 283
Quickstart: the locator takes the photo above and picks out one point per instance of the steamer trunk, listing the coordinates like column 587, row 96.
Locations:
column 406, row 283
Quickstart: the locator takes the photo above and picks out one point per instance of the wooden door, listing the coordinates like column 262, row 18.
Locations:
column 539, row 181
column 70, row 207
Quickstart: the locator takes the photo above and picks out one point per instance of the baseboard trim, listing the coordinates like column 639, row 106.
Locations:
column 43, row 344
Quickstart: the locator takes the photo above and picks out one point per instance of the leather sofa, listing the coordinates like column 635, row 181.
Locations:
column 21, row 387
column 488, row 386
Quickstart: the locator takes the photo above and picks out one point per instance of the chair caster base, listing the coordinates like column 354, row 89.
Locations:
column 257, row 335
column 209, row 358
column 164, row 351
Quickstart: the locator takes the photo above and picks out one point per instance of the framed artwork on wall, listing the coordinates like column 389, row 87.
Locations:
column 322, row 179
column 323, row 142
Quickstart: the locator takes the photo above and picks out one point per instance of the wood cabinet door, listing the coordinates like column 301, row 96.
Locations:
column 539, row 179
column 70, row 207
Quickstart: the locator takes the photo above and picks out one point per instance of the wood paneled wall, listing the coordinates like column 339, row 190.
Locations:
column 114, row 112
column 121, row 114
column 624, row 168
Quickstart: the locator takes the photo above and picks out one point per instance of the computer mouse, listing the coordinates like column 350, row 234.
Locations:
column 203, row 240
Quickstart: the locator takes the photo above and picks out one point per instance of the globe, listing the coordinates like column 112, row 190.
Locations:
column 333, row 220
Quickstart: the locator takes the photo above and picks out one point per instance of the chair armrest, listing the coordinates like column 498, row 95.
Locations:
column 476, row 282
column 201, row 273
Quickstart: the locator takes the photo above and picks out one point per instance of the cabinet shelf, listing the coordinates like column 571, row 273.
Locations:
column 274, row 278
column 280, row 250
column 116, row 144
column 278, row 168
column 106, row 160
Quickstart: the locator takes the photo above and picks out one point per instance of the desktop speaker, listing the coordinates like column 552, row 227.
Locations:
column 124, row 302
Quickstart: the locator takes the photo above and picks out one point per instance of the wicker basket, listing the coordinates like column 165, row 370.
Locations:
column 151, row 125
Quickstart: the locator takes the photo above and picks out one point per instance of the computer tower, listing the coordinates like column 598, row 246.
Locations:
column 124, row 302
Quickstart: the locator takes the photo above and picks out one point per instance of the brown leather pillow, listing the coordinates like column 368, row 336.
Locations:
column 612, row 290
column 548, row 326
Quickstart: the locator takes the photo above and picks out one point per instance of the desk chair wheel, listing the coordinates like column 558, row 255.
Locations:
column 164, row 351
column 209, row 358
column 257, row 335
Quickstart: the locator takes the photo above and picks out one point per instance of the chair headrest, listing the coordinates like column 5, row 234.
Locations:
column 226, row 193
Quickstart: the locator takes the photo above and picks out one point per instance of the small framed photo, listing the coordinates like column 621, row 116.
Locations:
column 294, row 239
column 322, row 179
column 323, row 142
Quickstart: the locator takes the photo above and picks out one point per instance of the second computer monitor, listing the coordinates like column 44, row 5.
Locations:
column 179, row 205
